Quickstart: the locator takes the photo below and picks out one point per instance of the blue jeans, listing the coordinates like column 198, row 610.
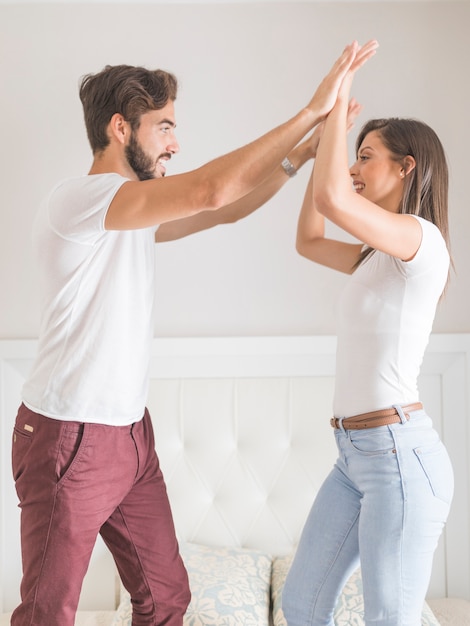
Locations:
column 383, row 506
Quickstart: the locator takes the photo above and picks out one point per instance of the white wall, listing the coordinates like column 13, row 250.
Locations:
column 243, row 68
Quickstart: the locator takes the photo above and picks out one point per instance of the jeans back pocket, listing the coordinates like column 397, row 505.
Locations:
column 437, row 466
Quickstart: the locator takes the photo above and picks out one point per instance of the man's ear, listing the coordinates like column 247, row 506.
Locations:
column 118, row 128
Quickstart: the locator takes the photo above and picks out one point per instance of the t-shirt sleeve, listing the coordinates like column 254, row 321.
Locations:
column 432, row 251
column 77, row 208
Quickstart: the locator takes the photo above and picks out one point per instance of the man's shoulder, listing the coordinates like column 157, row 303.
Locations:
column 76, row 207
column 90, row 181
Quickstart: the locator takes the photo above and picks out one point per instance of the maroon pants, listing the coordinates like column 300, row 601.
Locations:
column 76, row 480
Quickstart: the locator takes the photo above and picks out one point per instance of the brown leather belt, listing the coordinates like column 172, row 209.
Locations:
column 375, row 418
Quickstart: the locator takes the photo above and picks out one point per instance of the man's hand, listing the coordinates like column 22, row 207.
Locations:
column 313, row 141
column 352, row 58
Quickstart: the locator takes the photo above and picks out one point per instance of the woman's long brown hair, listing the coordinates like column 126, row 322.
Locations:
column 427, row 184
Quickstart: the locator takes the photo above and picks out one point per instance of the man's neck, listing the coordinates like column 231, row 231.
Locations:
column 107, row 163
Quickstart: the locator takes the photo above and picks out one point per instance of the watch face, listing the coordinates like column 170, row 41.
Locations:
column 288, row 168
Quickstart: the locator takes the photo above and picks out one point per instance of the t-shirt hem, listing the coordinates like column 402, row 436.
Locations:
column 85, row 420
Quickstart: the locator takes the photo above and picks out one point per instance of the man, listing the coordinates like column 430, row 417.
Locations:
column 84, row 459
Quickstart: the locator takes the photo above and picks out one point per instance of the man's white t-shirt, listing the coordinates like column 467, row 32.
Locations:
column 97, row 301
column 386, row 315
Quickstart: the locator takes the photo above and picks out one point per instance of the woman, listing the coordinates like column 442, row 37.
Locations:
column 385, row 502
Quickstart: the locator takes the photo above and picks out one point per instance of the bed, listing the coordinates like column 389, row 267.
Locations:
column 240, row 422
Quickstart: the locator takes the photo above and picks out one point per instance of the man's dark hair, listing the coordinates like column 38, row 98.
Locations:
column 125, row 89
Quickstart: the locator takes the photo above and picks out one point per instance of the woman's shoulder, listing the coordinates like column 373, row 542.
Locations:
column 429, row 228
column 433, row 248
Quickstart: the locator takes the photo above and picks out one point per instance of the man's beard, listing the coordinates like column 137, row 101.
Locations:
column 140, row 162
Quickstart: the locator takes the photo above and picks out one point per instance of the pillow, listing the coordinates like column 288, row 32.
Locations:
column 229, row 587
column 350, row 607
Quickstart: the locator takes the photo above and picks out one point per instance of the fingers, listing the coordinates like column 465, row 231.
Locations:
column 363, row 54
column 338, row 81
column 354, row 108
column 344, row 62
column 354, row 55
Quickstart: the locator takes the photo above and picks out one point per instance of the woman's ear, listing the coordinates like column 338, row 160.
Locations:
column 408, row 164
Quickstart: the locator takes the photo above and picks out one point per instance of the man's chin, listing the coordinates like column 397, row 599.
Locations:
column 146, row 175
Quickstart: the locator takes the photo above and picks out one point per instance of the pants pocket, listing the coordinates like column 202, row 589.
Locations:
column 69, row 449
column 437, row 466
column 372, row 442
column 21, row 444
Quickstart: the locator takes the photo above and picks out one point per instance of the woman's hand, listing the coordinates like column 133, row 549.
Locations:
column 352, row 58
column 354, row 108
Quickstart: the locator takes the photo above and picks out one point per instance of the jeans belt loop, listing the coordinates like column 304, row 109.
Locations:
column 403, row 416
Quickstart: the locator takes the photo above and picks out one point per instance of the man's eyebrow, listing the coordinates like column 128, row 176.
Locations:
column 167, row 121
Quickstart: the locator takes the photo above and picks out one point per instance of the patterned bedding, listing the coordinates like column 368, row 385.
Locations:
column 241, row 587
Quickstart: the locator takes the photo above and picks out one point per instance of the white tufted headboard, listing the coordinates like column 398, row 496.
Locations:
column 242, row 432
column 244, row 441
